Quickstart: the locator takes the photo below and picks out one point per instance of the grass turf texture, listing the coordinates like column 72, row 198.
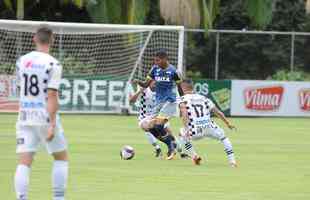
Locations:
column 273, row 154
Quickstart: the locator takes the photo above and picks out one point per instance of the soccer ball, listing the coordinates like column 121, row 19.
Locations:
column 127, row 152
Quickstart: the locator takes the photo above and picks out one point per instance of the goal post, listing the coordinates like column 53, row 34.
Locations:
column 99, row 60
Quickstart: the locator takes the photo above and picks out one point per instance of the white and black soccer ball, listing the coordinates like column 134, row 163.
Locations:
column 127, row 152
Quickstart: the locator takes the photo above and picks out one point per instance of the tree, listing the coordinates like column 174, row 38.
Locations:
column 18, row 6
column 203, row 13
column 308, row 6
column 119, row 11
column 251, row 56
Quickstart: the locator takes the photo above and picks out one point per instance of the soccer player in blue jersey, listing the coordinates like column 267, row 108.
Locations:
column 166, row 78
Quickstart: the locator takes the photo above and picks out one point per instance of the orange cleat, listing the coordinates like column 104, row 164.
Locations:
column 197, row 159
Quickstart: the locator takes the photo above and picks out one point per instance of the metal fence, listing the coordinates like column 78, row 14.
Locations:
column 242, row 54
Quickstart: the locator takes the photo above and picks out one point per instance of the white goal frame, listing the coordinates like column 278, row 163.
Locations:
column 84, row 28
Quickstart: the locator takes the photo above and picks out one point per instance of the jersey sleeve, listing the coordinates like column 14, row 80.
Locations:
column 176, row 77
column 181, row 100
column 151, row 74
column 210, row 104
column 55, row 76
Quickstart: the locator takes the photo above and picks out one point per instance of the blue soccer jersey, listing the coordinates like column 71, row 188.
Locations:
column 165, row 80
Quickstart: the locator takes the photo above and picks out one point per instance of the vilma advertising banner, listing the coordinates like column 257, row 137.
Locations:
column 270, row 98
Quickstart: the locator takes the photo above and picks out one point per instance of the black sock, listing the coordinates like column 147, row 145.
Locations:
column 168, row 140
column 160, row 133
column 174, row 142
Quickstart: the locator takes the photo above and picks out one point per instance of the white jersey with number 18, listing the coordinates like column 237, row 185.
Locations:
column 36, row 72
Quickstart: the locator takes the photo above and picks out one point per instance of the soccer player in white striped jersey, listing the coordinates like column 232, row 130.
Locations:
column 196, row 116
column 38, row 78
column 145, row 101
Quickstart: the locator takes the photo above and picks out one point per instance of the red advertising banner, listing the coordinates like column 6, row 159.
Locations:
column 304, row 99
column 270, row 98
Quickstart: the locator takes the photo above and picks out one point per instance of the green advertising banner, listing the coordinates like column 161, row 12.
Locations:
column 111, row 96
column 219, row 91
column 93, row 95
column 99, row 95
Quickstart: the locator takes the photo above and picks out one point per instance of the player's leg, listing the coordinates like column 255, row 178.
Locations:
column 180, row 146
column 189, row 148
column 165, row 138
column 58, row 149
column 27, row 144
column 167, row 111
column 217, row 133
column 157, row 125
column 163, row 112
column 160, row 134
column 151, row 138
column 178, row 143
column 22, row 175
column 153, row 141
column 60, row 174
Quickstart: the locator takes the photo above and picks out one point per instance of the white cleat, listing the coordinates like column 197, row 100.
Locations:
column 233, row 164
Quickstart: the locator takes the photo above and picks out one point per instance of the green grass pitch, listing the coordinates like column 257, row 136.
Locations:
column 273, row 155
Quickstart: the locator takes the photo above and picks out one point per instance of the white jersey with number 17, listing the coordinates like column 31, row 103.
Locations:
column 36, row 72
column 199, row 109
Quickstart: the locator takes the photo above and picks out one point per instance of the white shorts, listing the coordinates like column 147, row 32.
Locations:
column 213, row 131
column 29, row 139
column 149, row 118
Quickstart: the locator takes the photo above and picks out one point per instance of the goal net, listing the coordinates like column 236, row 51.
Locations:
column 99, row 60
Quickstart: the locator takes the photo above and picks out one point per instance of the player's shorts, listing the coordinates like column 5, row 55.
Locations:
column 211, row 131
column 149, row 118
column 29, row 139
column 166, row 110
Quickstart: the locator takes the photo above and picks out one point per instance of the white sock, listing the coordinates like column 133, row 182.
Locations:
column 59, row 179
column 22, row 182
column 189, row 149
column 180, row 142
column 229, row 150
column 152, row 140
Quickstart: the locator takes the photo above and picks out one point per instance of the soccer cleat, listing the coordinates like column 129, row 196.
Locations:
column 184, row 156
column 171, row 154
column 197, row 159
column 233, row 164
column 158, row 153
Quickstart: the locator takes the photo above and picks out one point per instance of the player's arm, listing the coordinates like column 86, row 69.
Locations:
column 52, row 99
column 181, row 93
column 221, row 115
column 145, row 83
column 52, row 105
column 133, row 97
column 150, row 77
column 178, row 81
column 184, row 114
column 17, row 74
